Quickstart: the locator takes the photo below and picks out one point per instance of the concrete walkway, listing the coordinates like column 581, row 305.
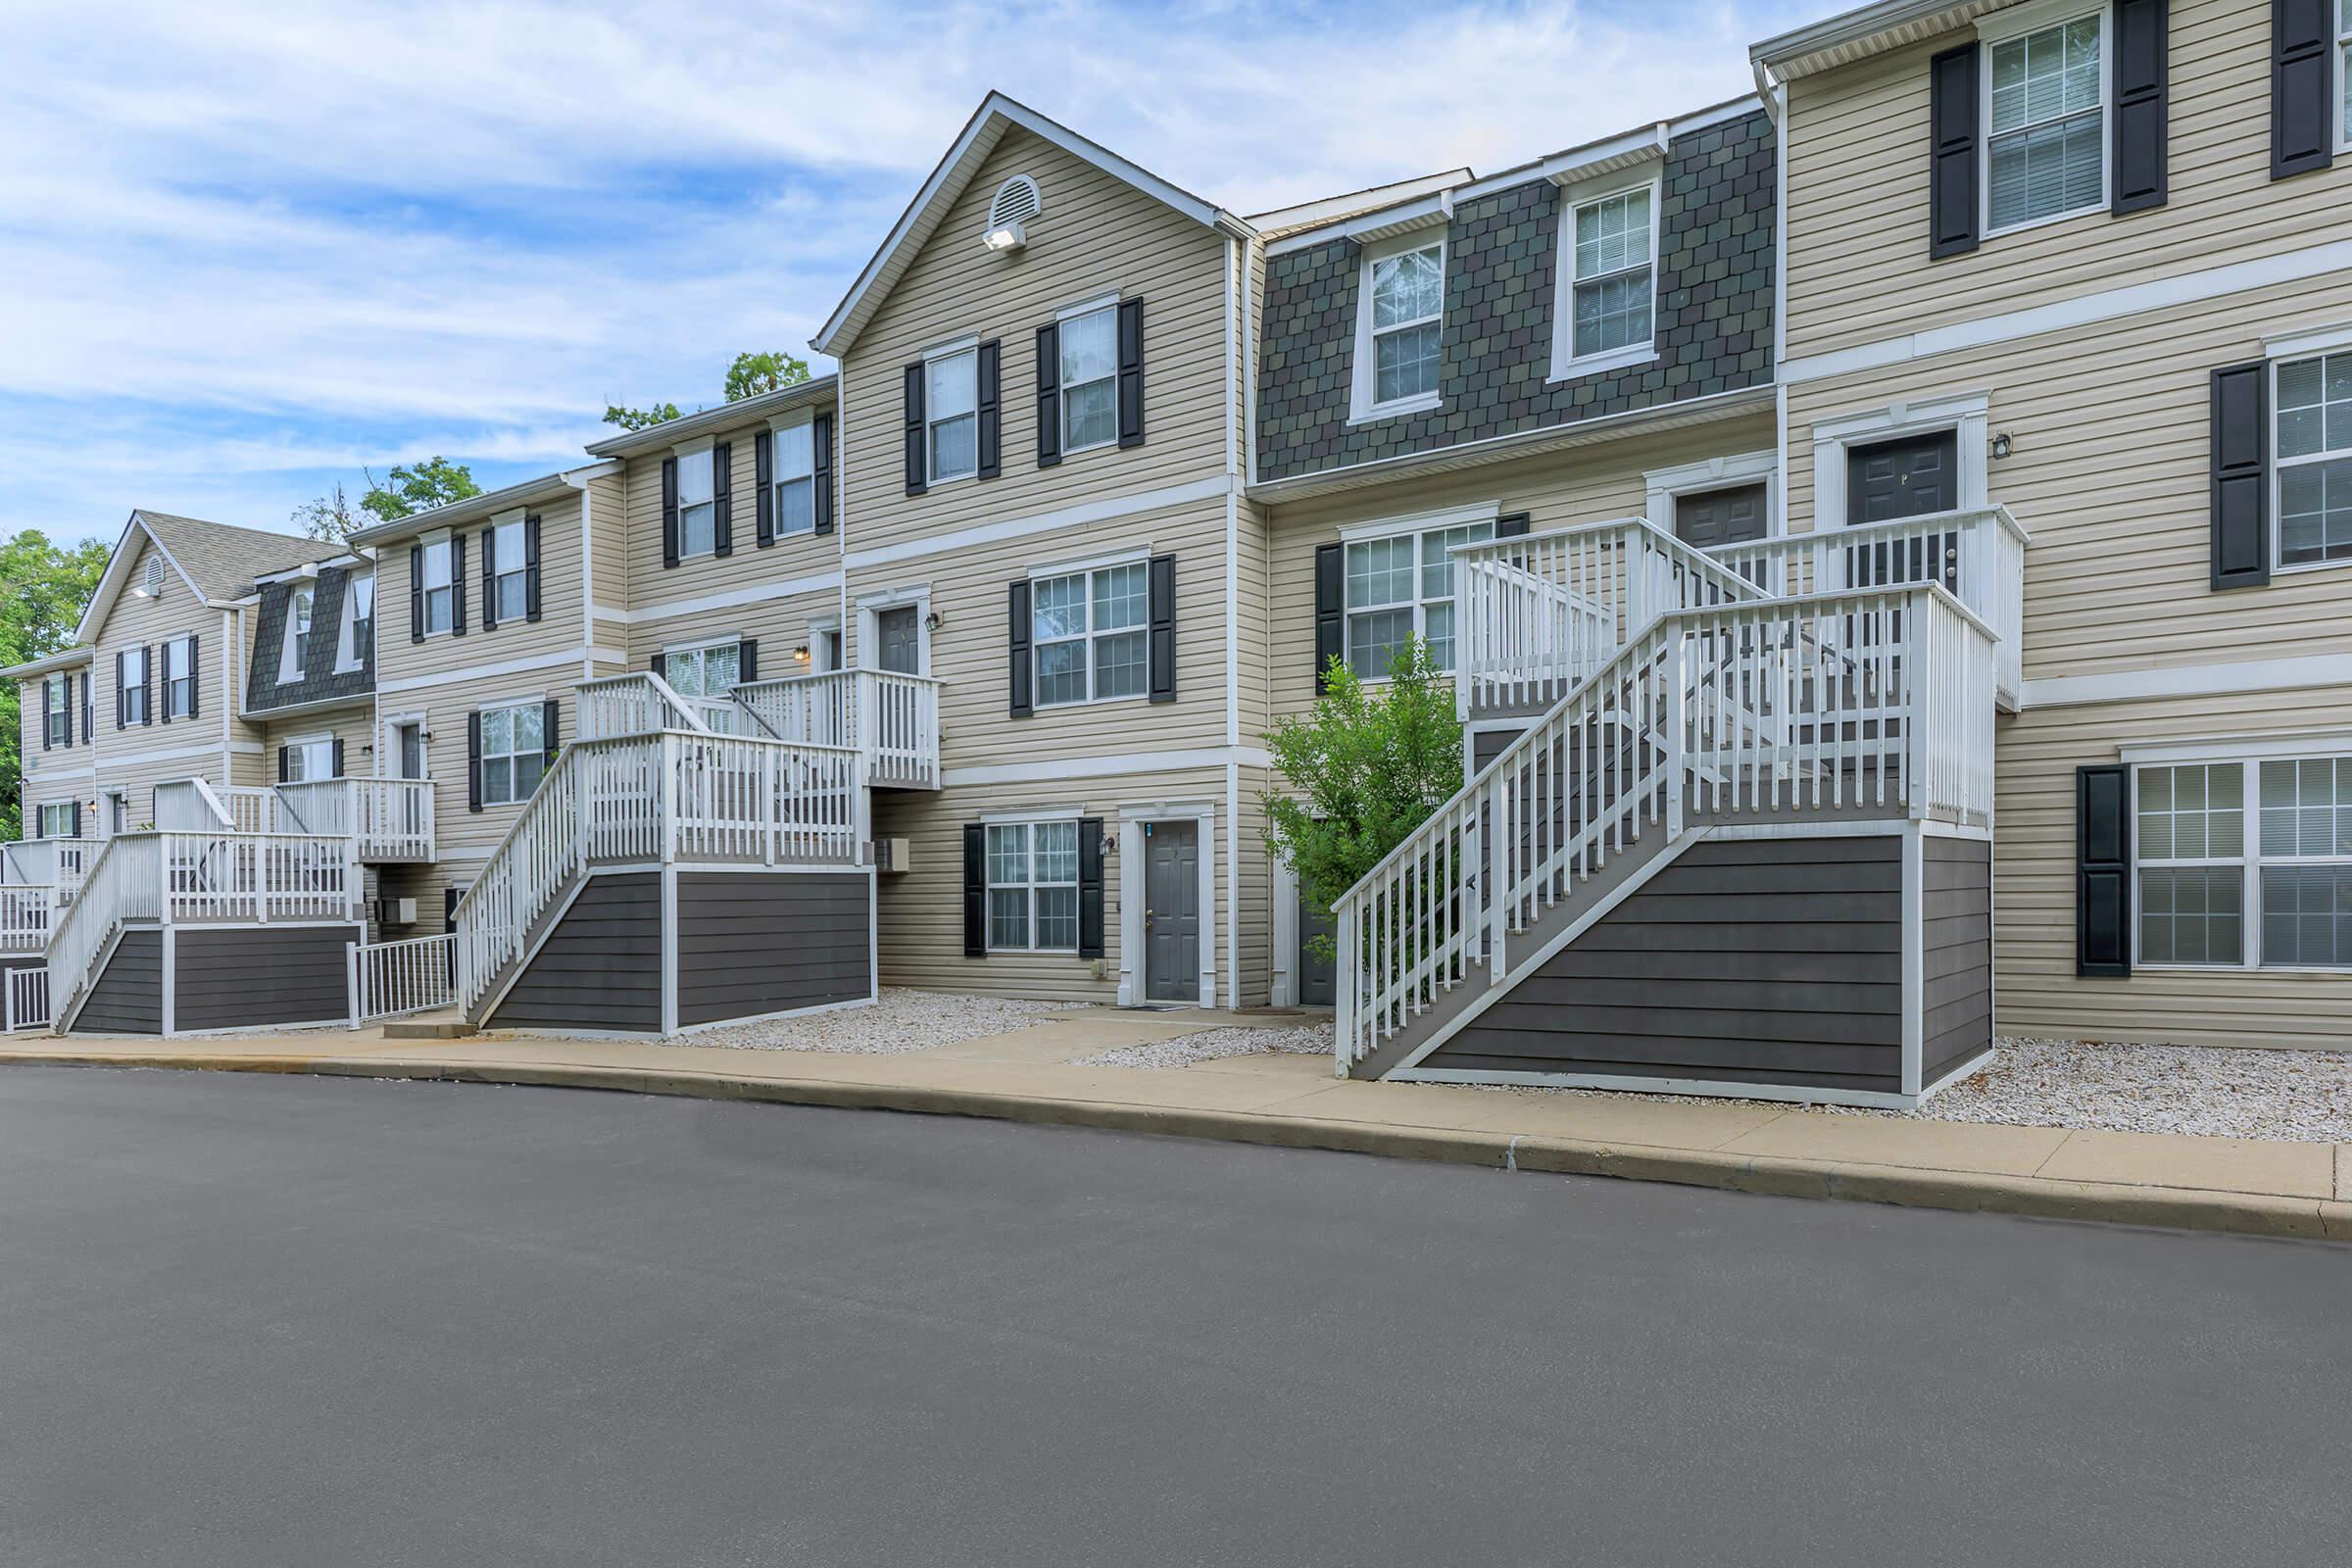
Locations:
column 1030, row 1074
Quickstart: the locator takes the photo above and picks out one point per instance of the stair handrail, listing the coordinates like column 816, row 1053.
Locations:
column 125, row 882
column 639, row 702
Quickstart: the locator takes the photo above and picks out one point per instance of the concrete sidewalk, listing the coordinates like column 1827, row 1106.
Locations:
column 1030, row 1074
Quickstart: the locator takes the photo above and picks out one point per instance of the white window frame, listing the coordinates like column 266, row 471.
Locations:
column 793, row 430
column 439, row 547
column 824, row 645
column 350, row 652
column 134, row 685
column 183, row 650
column 2007, row 26
column 967, row 348
column 2251, row 859
column 701, row 649
column 701, row 459
column 63, row 708
column 990, row 886
column 1486, row 513
column 114, row 812
column 1107, row 305
column 300, row 602
column 2343, row 78
column 1089, row 570
column 1967, row 416
column 298, row 753
column 2283, row 352
column 508, row 531
column 65, row 820
column 1663, row 486
column 1365, row 403
column 1566, row 363
column 538, row 711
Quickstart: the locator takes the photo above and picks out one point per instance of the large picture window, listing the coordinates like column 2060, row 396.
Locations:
column 2245, row 863
column 1400, row 586
column 2045, row 123
column 1033, row 887
column 1088, row 633
column 513, row 753
column 2314, row 446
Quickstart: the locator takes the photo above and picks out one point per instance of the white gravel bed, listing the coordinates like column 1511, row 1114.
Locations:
column 1210, row 1045
column 901, row 1021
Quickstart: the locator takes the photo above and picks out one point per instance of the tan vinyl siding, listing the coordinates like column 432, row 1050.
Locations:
column 1256, row 894
column 354, row 725
column 609, row 554
column 1858, row 269
column 779, row 625
column 561, row 608
column 1096, row 236
column 2111, row 475
column 650, row 584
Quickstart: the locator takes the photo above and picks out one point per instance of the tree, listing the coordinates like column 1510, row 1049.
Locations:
column 329, row 518
column 43, row 590
column 748, row 378
column 420, row 487
column 1363, row 767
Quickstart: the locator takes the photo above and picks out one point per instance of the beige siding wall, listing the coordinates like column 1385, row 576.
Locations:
column 557, row 631
column 1858, row 269
column 779, row 625
column 607, row 504
column 57, row 776
column 137, row 757
column 354, row 725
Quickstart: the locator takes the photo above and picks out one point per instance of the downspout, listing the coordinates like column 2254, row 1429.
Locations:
column 1776, row 102
column 1233, row 657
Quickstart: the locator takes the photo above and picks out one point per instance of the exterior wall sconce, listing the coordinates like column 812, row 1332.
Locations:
column 1006, row 237
column 933, row 621
column 800, row 654
column 2001, row 445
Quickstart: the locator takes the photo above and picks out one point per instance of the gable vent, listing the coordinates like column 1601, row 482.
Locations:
column 1016, row 202
column 155, row 576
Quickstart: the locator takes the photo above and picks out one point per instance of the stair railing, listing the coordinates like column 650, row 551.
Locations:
column 638, row 703
column 125, row 883
column 892, row 719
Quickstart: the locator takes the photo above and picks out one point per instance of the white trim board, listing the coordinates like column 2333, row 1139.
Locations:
column 511, row 666
column 2189, row 680
column 732, row 599
column 1133, row 869
column 1103, row 510
column 1194, row 759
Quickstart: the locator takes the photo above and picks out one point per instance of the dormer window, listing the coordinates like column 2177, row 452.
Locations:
column 1401, row 327
column 359, row 623
column 297, row 628
column 1610, row 246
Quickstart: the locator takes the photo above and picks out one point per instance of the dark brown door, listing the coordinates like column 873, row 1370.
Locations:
column 1728, row 516
column 1905, row 478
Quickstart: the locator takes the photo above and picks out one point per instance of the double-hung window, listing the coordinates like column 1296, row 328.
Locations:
column 309, row 756
column 359, row 621
column 1401, row 345
column 134, row 686
column 952, row 411
column 1033, row 887
column 1400, row 586
column 180, row 678
column 1090, row 378
column 704, row 669
column 2045, row 123
column 1088, row 634
column 2343, row 75
column 513, row 753
column 697, row 511
column 510, row 579
column 2314, row 447
column 57, row 709
column 1611, row 249
column 440, row 599
column 793, row 451
column 57, row 821
column 298, row 631
column 2245, row 863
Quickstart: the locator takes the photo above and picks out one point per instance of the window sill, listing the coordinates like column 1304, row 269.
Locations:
column 1396, row 410
column 2282, row 569
column 1595, row 364
column 1110, row 445
column 1090, row 701
column 2032, row 223
column 1033, row 953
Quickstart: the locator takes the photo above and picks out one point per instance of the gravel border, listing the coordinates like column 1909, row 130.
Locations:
column 1212, row 1045
column 901, row 1022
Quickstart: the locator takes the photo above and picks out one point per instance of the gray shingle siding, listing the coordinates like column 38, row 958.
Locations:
column 1713, row 321
column 319, row 681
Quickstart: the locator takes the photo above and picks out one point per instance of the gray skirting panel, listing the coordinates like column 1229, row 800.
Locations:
column 223, row 977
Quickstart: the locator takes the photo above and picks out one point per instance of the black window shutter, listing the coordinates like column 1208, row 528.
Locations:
column 723, row 498
column 152, row 650
column 1330, row 611
column 2103, row 871
column 763, row 483
column 550, row 730
column 975, row 891
column 530, row 566
column 489, row 580
column 917, row 468
column 1952, row 151
column 122, row 693
column 1089, row 887
column 77, row 820
column 1131, row 372
column 1162, row 648
column 415, row 593
column 2143, row 104
column 48, row 707
column 991, row 408
column 820, row 443
column 196, row 674
column 2241, row 483
column 284, row 770
column 1049, row 394
column 457, row 583
column 669, row 511
column 747, row 660
column 90, row 708
column 2303, row 106
column 338, row 762
column 1511, row 525
column 661, row 666
column 1017, row 624
column 474, row 762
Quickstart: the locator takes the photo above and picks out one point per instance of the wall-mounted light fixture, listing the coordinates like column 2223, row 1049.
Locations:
column 800, row 654
column 1006, row 237
column 2001, row 445
column 933, row 621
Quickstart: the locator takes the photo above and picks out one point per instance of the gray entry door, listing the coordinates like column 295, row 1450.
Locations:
column 1318, row 985
column 1728, row 516
column 1905, row 478
column 901, row 639
column 1171, row 911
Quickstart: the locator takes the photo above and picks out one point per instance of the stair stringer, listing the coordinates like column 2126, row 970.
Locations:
column 541, row 929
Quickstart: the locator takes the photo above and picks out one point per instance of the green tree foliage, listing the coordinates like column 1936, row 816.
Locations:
column 419, row 487
column 1362, row 769
column 751, row 374
column 640, row 419
column 43, row 588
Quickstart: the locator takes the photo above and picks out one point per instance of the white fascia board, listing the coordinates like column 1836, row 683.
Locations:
column 1422, row 211
column 1862, row 32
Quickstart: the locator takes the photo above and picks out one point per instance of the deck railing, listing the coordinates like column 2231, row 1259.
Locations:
column 888, row 718
column 392, row 819
column 1876, row 700
column 640, row 704
column 28, row 998
column 58, row 865
column 393, row 979
column 28, row 913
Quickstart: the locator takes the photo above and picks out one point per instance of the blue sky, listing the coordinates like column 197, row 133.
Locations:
column 247, row 250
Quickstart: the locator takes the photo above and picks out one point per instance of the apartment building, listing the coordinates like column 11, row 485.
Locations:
column 1881, row 528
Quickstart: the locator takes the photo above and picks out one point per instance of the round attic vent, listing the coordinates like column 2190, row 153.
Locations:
column 1016, row 202
column 155, row 576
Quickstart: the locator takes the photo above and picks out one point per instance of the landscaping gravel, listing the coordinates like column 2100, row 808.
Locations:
column 901, row 1021
column 1182, row 1051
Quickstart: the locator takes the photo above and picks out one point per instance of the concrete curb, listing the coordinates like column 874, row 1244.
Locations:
column 1977, row 1192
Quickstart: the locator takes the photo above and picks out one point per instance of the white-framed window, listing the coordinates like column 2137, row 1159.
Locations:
column 824, row 646
column 2312, row 448
column 510, row 577
column 359, row 621
column 1089, row 343
column 299, row 603
column 57, row 709
column 1400, row 586
column 180, row 678
column 703, row 669
column 2244, row 863
column 304, row 597
column 57, row 821
column 1089, row 634
column 792, row 470
column 1607, row 311
column 116, row 804
column 952, row 413
column 134, row 685
column 440, row 599
column 697, row 507
column 1401, row 326
column 1033, row 887
column 309, row 756
column 2343, row 75
column 513, row 753
column 2045, row 112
